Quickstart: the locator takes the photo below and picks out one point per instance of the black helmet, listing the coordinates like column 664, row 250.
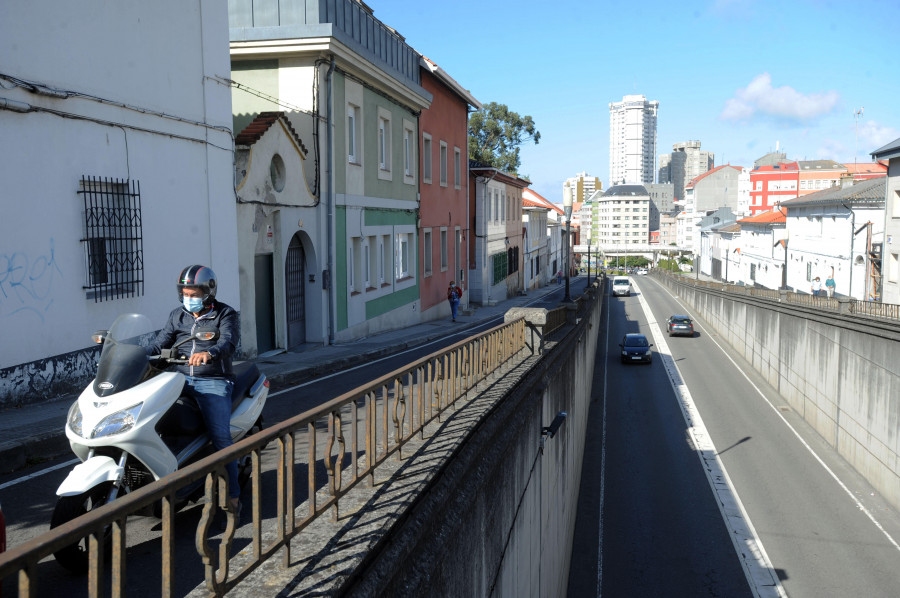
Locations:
column 198, row 277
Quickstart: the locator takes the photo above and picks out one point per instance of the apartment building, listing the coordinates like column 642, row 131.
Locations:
column 623, row 217
column 816, row 175
column 772, row 184
column 632, row 140
column 581, row 187
column 686, row 162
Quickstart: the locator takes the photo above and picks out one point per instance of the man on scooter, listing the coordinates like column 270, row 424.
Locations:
column 208, row 372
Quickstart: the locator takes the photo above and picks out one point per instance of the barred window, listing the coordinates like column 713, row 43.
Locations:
column 500, row 267
column 112, row 238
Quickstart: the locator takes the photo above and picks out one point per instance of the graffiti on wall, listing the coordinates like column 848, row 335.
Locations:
column 26, row 282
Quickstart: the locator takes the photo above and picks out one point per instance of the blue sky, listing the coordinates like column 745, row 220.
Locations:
column 737, row 75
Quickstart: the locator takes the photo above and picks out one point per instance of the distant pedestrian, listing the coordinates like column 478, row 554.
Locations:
column 454, row 293
column 816, row 287
column 829, row 285
column 559, row 277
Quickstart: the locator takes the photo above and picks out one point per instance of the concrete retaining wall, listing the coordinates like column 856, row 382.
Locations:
column 502, row 520
column 839, row 372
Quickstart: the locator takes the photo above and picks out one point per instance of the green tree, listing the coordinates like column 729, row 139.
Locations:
column 495, row 134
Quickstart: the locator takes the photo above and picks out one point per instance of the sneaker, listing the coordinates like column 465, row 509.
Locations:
column 236, row 509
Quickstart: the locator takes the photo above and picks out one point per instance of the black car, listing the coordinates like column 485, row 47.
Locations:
column 636, row 349
column 681, row 325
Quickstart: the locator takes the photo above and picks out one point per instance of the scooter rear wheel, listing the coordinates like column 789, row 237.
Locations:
column 75, row 556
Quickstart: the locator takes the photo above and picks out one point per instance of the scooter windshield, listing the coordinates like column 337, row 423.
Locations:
column 123, row 360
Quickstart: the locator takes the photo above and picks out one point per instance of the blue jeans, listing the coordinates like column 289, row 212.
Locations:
column 213, row 395
column 453, row 307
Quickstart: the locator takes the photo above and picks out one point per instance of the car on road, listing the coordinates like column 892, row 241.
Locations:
column 680, row 325
column 642, row 272
column 621, row 285
column 636, row 349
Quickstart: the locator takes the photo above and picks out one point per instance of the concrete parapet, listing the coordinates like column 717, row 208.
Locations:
column 838, row 370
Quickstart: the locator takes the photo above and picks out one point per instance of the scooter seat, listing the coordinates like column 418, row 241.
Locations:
column 245, row 376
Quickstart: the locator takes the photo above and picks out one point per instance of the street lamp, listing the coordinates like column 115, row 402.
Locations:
column 567, row 207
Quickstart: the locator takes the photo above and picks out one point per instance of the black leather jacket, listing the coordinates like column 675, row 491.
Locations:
column 182, row 324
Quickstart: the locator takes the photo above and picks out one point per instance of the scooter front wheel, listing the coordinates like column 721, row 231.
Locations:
column 75, row 556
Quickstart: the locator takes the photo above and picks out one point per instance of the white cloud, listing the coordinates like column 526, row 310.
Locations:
column 785, row 104
column 873, row 135
column 832, row 149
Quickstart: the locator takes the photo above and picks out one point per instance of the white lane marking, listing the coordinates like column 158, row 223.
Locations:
column 756, row 564
column 805, row 444
column 467, row 332
column 38, row 474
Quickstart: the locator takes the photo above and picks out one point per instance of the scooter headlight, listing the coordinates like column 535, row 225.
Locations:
column 118, row 422
column 74, row 419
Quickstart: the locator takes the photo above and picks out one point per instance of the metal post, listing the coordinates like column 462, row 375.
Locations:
column 567, row 298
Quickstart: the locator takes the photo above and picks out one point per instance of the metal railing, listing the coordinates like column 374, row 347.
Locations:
column 367, row 425
column 844, row 305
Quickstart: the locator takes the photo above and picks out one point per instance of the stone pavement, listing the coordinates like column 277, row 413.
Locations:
column 34, row 432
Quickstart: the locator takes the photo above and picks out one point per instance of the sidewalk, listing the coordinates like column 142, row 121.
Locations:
column 35, row 432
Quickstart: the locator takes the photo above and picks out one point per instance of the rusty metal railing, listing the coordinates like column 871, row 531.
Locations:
column 368, row 426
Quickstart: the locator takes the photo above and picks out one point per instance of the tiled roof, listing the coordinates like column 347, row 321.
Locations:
column 866, row 168
column 871, row 190
column 885, row 152
column 709, row 172
column 450, row 82
column 819, row 165
column 259, row 125
column 775, row 216
column 532, row 198
column 624, row 190
column 781, row 166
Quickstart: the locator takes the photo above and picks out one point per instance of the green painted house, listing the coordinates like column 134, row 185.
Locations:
column 340, row 235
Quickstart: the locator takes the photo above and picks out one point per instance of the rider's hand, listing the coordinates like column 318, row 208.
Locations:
column 201, row 358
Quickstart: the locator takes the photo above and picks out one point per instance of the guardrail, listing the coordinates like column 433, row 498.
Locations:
column 367, row 425
column 844, row 305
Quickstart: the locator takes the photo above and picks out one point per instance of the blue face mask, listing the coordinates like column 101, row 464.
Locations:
column 193, row 304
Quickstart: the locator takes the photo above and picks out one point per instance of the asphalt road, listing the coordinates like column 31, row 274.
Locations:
column 650, row 520
column 28, row 496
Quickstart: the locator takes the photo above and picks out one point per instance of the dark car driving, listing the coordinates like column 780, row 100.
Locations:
column 636, row 349
column 680, row 325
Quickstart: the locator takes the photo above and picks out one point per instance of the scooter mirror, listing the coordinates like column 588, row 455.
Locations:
column 99, row 336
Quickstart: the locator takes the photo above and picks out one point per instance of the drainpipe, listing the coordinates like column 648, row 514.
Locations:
column 852, row 239
column 330, row 202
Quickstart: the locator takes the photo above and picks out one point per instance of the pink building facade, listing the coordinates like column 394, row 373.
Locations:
column 443, row 187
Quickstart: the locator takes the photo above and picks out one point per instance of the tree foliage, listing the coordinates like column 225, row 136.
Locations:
column 496, row 133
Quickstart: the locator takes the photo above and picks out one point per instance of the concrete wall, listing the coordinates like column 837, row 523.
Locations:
column 502, row 518
column 839, row 372
column 129, row 94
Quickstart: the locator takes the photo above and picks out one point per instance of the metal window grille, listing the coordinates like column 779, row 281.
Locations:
column 112, row 238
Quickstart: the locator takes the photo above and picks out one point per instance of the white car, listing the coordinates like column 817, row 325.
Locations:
column 621, row 285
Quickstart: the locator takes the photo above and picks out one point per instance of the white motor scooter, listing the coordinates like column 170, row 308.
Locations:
column 132, row 425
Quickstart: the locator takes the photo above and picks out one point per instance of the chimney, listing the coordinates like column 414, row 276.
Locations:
column 846, row 179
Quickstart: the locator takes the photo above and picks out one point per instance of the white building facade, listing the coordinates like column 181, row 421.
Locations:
column 623, row 218
column 833, row 233
column 762, row 250
column 118, row 174
column 632, row 140
column 890, row 254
